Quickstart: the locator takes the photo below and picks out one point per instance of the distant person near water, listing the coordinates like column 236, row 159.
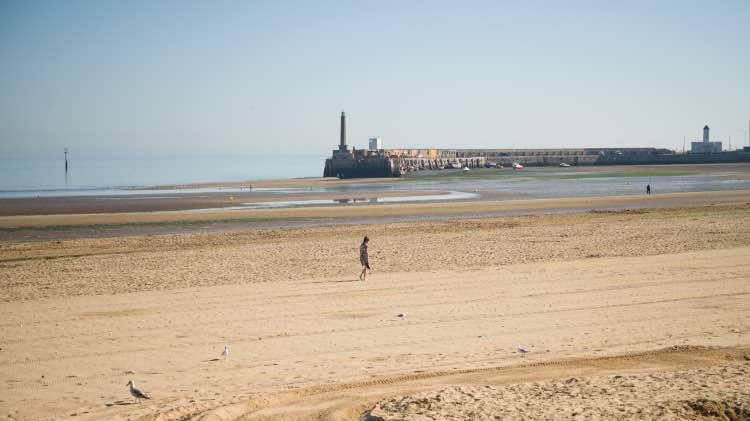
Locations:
column 648, row 188
column 363, row 258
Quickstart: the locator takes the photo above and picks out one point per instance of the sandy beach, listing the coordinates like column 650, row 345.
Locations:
column 381, row 211
column 626, row 313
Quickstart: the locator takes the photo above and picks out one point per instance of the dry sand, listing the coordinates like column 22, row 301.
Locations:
column 721, row 392
column 646, row 294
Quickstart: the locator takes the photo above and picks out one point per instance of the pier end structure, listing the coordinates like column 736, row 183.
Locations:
column 358, row 163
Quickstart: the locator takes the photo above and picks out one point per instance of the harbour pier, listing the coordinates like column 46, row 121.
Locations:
column 377, row 161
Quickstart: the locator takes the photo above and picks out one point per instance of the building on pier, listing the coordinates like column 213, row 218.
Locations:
column 705, row 146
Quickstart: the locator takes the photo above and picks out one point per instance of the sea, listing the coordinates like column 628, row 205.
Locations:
column 31, row 175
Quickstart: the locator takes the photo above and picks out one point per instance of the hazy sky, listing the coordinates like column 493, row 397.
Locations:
column 242, row 77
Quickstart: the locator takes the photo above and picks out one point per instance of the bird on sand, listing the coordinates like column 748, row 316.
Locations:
column 225, row 352
column 137, row 393
column 522, row 350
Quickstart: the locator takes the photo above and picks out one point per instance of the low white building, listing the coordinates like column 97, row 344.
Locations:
column 376, row 143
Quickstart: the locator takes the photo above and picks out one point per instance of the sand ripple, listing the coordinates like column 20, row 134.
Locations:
column 721, row 393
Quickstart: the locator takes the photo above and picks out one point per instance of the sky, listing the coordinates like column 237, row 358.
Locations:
column 247, row 77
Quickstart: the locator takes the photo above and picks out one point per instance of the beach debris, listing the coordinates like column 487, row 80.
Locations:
column 225, row 352
column 522, row 350
column 137, row 393
column 401, row 315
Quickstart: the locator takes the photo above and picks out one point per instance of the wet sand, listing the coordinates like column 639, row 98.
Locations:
column 84, row 205
column 650, row 302
column 454, row 209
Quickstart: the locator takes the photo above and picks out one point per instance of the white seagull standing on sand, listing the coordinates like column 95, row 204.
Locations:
column 522, row 350
column 225, row 352
column 138, row 394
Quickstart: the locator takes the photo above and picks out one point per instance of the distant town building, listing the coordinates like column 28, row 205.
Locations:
column 376, row 143
column 705, row 146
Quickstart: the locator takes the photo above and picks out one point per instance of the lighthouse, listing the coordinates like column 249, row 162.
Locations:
column 706, row 146
column 342, row 143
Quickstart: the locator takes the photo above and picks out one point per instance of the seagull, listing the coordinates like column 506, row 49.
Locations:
column 225, row 352
column 522, row 350
column 138, row 394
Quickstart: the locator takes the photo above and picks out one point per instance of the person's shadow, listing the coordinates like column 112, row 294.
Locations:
column 336, row 282
column 119, row 403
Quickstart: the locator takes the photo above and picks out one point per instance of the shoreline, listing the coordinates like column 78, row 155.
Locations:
column 321, row 182
column 490, row 185
column 324, row 181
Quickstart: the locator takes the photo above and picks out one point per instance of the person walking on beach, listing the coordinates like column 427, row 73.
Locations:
column 363, row 258
column 648, row 188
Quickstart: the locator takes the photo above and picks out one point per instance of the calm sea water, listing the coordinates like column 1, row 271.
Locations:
column 44, row 173
column 44, row 176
